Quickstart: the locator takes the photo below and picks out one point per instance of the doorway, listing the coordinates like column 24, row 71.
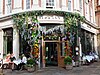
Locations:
column 51, row 54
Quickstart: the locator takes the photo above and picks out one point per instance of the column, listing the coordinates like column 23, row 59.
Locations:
column 1, row 44
column 35, row 3
column 95, row 43
column 15, row 43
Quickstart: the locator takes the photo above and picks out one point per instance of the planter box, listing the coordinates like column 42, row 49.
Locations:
column 31, row 69
column 69, row 67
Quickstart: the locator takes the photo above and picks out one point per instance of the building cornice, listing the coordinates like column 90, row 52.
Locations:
column 92, row 24
column 5, row 18
column 97, row 11
column 86, row 21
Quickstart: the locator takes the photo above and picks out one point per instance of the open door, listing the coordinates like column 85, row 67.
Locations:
column 60, row 56
column 51, row 54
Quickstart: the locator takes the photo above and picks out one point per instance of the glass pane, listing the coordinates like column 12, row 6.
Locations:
column 52, row 3
column 49, row 0
column 5, row 46
column 69, row 5
column 27, row 4
column 52, row 0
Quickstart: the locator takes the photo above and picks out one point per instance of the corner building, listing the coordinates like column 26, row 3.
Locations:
column 48, row 48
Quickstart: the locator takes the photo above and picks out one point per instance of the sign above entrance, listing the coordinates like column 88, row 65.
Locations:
column 51, row 19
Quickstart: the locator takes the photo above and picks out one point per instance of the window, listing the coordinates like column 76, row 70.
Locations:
column 91, row 14
column 87, row 11
column 27, row 4
column 7, row 41
column 49, row 3
column 69, row 5
column 80, row 2
column 9, row 6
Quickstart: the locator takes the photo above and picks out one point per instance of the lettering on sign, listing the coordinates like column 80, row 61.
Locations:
column 49, row 17
column 52, row 18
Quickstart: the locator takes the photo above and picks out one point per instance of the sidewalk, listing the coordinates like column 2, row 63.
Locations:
column 92, row 69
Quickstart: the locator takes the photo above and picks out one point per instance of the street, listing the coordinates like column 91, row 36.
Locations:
column 92, row 69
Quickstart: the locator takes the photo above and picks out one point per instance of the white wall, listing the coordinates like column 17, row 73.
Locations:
column 6, row 23
column 95, row 43
column 17, row 6
column 76, row 5
column 1, row 43
column 64, row 5
column 15, row 43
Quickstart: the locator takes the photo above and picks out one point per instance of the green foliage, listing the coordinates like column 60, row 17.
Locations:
column 67, row 60
column 30, row 62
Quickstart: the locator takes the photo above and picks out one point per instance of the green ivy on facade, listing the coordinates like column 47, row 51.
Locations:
column 29, row 31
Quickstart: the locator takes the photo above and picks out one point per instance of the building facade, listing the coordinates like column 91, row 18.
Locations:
column 97, row 13
column 10, row 38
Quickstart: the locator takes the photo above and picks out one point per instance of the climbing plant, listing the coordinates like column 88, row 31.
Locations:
column 28, row 25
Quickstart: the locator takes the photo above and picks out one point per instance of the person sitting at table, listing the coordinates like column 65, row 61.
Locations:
column 6, row 61
column 23, row 62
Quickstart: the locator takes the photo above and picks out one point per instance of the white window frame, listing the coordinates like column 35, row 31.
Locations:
column 51, row 3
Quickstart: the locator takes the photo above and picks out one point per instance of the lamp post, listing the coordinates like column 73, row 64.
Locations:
column 77, row 48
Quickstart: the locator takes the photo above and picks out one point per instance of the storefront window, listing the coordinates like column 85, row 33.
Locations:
column 87, row 41
column 8, row 41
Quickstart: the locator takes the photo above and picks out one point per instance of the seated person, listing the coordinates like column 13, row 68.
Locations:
column 12, row 58
column 6, row 61
column 22, row 63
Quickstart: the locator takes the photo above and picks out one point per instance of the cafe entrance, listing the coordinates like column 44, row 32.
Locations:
column 51, row 54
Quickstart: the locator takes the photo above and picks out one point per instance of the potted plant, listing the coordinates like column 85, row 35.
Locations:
column 31, row 65
column 68, row 62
